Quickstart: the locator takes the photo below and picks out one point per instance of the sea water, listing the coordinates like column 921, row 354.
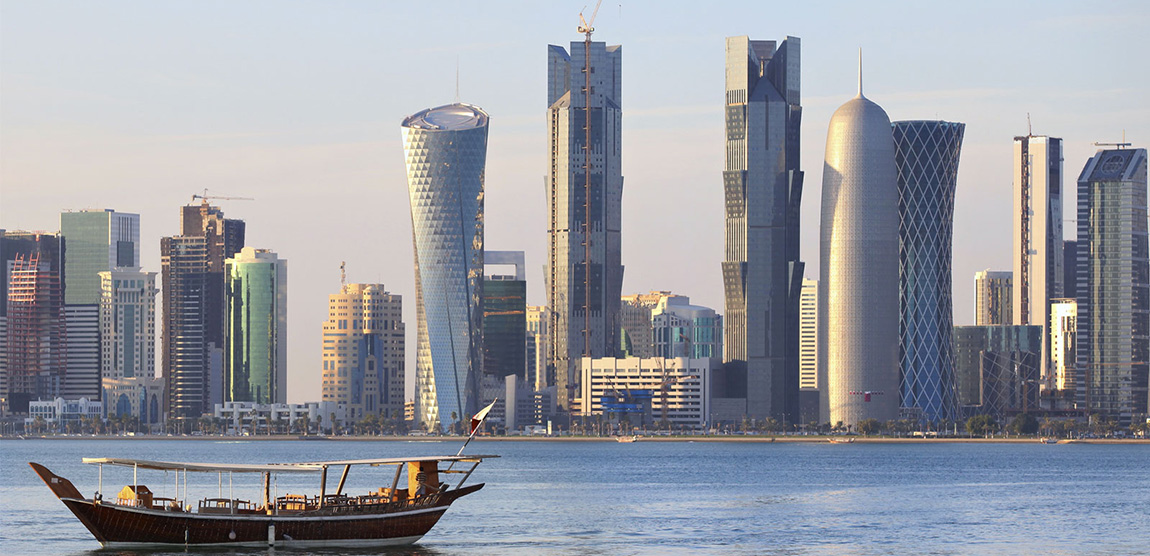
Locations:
column 569, row 497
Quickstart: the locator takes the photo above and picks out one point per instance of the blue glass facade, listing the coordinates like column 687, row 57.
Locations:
column 446, row 150
column 926, row 157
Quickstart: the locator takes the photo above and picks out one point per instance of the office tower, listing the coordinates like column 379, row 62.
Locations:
column 585, row 193
column 996, row 369
column 363, row 351
column 505, row 316
column 1070, row 269
column 809, row 335
column 926, row 158
column 680, row 329
column 762, row 274
column 1063, row 380
column 635, row 322
column 538, row 317
column 446, row 151
column 95, row 241
column 15, row 244
column 1037, row 233
column 255, row 362
column 36, row 350
column 1114, row 284
column 992, row 297
column 127, row 323
column 192, row 354
column 858, row 256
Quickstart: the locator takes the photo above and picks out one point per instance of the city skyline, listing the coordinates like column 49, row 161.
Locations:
column 137, row 141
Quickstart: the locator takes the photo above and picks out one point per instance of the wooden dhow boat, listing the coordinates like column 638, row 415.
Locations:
column 388, row 516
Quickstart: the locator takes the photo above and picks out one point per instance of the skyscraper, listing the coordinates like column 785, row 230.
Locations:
column 24, row 245
column 363, row 351
column 762, row 273
column 36, row 351
column 1070, row 269
column 992, row 298
column 446, row 152
column 1037, row 233
column 859, row 262
column 193, row 321
column 585, row 194
column 1114, row 285
column 127, row 323
column 505, row 316
column 255, row 362
column 926, row 158
column 1063, row 348
column 809, row 336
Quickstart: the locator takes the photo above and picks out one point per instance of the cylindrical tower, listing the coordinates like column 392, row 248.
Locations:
column 858, row 255
column 926, row 158
column 446, row 151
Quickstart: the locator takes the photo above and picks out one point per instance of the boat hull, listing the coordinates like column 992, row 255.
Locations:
column 114, row 525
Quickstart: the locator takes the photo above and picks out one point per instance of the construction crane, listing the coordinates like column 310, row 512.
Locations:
column 665, row 386
column 587, row 27
column 205, row 197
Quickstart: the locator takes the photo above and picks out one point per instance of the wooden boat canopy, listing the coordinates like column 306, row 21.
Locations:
column 304, row 467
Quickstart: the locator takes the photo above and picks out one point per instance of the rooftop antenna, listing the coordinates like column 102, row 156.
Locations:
column 343, row 276
column 457, row 79
column 1029, row 129
column 860, row 71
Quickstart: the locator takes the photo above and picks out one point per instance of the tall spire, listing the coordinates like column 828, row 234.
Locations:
column 860, row 72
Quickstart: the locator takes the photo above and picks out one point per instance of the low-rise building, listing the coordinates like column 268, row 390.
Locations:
column 679, row 389
column 59, row 412
column 254, row 417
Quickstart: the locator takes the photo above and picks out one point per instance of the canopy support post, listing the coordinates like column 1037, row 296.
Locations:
column 342, row 480
column 395, row 482
column 322, row 485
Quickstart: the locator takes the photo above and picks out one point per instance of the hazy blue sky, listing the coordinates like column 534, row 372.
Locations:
column 138, row 105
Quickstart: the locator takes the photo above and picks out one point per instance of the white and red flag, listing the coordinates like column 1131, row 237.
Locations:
column 476, row 421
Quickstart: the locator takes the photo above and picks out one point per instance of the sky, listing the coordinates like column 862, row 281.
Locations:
column 137, row 105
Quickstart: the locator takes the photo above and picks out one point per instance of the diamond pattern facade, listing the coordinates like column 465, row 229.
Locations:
column 446, row 152
column 926, row 157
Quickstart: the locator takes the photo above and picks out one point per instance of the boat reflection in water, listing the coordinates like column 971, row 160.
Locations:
column 387, row 516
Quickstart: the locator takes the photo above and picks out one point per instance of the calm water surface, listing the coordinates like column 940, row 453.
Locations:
column 671, row 498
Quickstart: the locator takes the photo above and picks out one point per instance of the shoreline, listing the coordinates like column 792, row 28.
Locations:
column 708, row 438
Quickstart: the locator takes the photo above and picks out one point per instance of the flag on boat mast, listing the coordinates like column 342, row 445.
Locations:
column 476, row 421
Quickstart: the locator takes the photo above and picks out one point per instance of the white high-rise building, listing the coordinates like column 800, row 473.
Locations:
column 1038, row 248
column 127, row 324
column 809, row 335
column 1063, row 347
column 992, row 298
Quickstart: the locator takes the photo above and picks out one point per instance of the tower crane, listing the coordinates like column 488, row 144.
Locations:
column 205, row 197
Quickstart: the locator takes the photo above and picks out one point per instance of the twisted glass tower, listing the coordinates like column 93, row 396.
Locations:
column 446, row 151
column 926, row 158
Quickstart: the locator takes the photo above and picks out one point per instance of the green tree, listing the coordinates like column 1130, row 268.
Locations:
column 867, row 427
column 981, row 425
column 1024, row 423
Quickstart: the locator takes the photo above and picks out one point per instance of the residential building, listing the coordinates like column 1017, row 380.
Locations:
column 762, row 273
column 255, row 346
column 926, row 158
column 193, row 324
column 446, row 152
column 859, row 268
column 675, row 389
column 584, row 201
column 993, row 303
column 1113, row 285
column 363, row 351
column 997, row 369
column 809, row 336
column 1037, row 257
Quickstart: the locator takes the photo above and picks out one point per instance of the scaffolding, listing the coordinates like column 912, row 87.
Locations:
column 36, row 331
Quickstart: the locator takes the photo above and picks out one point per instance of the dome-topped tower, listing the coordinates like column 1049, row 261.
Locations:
column 858, row 261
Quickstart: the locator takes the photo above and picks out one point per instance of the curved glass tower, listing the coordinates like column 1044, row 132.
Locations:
column 926, row 158
column 858, row 255
column 255, row 365
column 446, row 150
